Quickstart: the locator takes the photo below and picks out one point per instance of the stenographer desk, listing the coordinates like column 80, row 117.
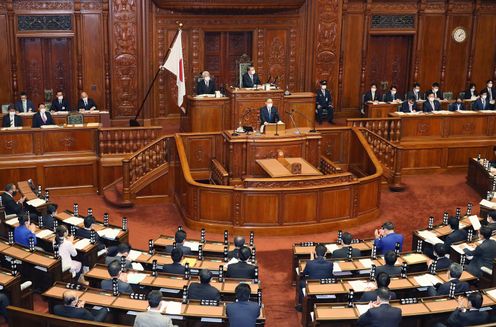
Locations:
column 60, row 118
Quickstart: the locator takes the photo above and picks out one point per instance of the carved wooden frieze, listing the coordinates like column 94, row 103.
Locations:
column 43, row 5
column 44, row 22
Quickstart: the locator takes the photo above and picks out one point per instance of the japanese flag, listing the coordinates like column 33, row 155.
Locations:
column 175, row 65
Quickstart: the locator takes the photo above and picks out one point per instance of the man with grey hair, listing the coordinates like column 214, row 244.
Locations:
column 205, row 85
column 239, row 241
column 381, row 313
column 454, row 274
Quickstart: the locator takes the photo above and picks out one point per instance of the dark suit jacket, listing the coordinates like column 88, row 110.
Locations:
column 38, row 122
column 384, row 315
column 317, row 269
column 264, row 115
column 324, row 100
column 10, row 205
column 411, row 94
column 483, row 255
column 198, row 291
column 454, row 106
column 72, row 312
column 241, row 270
column 460, row 287
column 477, row 105
column 468, row 95
column 405, row 107
column 108, row 260
column 493, row 91
column 389, row 97
column 84, row 233
column 442, row 263
column 202, row 88
column 29, row 104
column 56, row 106
column 371, row 296
column 186, row 249
column 174, row 268
column 343, row 253
column 491, row 226
column 455, row 236
column 368, row 97
column 242, row 314
column 390, row 270
column 91, row 104
column 428, row 108
column 233, row 254
column 47, row 221
column 123, row 286
column 467, row 318
column 438, row 94
column 247, row 82
column 6, row 121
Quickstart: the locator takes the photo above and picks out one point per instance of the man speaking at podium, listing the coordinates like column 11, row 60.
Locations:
column 268, row 113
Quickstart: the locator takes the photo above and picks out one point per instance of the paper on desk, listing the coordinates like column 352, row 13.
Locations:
column 44, row 233
column 173, row 308
column 430, row 237
column 50, row 126
column 358, row 285
column 362, row 308
column 190, row 261
column 135, row 278
column 336, row 267
column 366, row 263
column 487, row 204
column 36, row 202
column 137, row 266
column 93, row 124
column 109, row 233
column 12, row 222
column 427, row 280
column 232, row 261
column 331, row 247
column 74, row 221
column 459, row 247
column 81, row 244
column 474, row 220
column 192, row 245
column 492, row 293
column 133, row 255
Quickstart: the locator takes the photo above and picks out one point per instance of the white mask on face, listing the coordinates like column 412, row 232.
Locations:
column 269, row 105
column 472, row 89
column 323, row 87
column 373, row 89
column 207, row 78
column 490, row 85
column 85, row 99
column 42, row 110
column 60, row 97
column 24, row 100
column 484, row 96
column 417, row 90
column 393, row 92
column 431, row 99
column 11, row 114
column 252, row 72
column 435, row 89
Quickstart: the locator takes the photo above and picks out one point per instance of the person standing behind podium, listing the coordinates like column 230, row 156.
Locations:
column 482, row 102
column 269, row 113
column 324, row 101
column 24, row 105
column 372, row 95
column 491, row 93
column 392, row 95
column 415, row 92
column 458, row 105
column 431, row 104
column 42, row 117
column 250, row 78
column 60, row 103
column 242, row 313
column 409, row 106
column 86, row 103
column 205, row 85
column 471, row 92
column 11, row 119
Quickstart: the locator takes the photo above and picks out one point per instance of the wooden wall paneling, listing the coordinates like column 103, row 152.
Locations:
column 276, row 44
column 329, row 208
column 260, row 208
column 299, row 207
column 430, row 49
column 32, row 72
column 78, row 45
column 484, row 55
column 6, row 93
column 62, row 176
column 9, row 175
column 223, row 209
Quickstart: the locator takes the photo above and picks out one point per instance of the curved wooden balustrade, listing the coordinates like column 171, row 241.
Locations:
column 146, row 162
column 122, row 140
column 279, row 209
column 327, row 167
column 388, row 128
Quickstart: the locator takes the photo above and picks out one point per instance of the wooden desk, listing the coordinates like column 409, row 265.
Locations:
column 276, row 169
column 380, row 110
column 479, row 178
column 213, row 248
column 206, row 114
column 60, row 118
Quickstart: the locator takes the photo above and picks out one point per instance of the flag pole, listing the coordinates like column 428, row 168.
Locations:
column 134, row 122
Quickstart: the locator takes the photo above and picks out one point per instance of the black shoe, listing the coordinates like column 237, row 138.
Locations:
column 299, row 308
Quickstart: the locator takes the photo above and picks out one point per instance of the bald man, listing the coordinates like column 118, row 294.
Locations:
column 73, row 308
column 86, row 103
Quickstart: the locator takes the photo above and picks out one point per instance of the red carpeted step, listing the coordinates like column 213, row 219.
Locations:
column 113, row 197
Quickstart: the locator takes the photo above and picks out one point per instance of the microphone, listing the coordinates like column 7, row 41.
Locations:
column 313, row 130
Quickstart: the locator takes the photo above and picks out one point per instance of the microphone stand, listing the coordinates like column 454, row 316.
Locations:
column 313, row 130
column 235, row 133
column 290, row 113
column 277, row 126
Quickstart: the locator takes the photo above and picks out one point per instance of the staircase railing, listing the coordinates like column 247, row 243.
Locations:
column 387, row 128
column 144, row 162
column 123, row 140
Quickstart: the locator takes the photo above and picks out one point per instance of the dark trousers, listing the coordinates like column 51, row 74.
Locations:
column 100, row 314
column 4, row 302
column 320, row 114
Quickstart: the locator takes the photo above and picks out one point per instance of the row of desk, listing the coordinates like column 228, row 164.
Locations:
column 383, row 109
column 60, row 117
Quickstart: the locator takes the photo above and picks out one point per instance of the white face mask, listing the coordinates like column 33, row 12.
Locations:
column 417, row 90
column 269, row 105
column 490, row 85
column 60, row 97
column 24, row 100
column 393, row 92
column 11, row 114
column 324, row 87
column 207, row 78
column 252, row 72
column 373, row 89
column 484, row 96
column 473, row 90
column 42, row 110
column 435, row 89
column 431, row 99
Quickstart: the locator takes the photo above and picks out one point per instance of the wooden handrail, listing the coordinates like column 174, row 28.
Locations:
column 388, row 128
column 328, row 167
column 124, row 140
column 218, row 174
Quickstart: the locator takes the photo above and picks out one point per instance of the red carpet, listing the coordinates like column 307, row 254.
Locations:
column 409, row 210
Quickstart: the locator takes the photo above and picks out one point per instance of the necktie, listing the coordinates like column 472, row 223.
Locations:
column 458, row 107
column 483, row 103
column 411, row 107
column 12, row 122
column 490, row 94
column 85, row 103
column 251, row 76
column 60, row 101
column 24, row 105
column 373, row 96
column 432, row 105
column 268, row 109
column 394, row 97
column 416, row 95
column 43, row 117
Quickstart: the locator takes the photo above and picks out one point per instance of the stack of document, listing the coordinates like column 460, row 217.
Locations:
column 172, row 308
column 192, row 245
column 429, row 237
column 366, row 263
column 474, row 220
column 135, row 278
column 76, row 221
column 359, row 285
column 109, row 233
column 133, row 255
column 12, row 222
column 426, row 280
column 488, row 204
column 362, row 308
column 36, row 202
column 331, row 247
column 137, row 266
column 460, row 247
column 44, row 233
column 81, row 244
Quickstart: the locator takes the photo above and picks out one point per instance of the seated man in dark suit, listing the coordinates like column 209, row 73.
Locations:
column 85, row 232
column 269, row 113
column 390, row 258
column 415, row 92
column 73, row 308
column 42, row 117
column 392, row 95
column 386, row 238
column 48, row 218
column 242, row 313
column 179, row 238
column 468, row 312
column 11, row 119
column 471, row 92
column 381, row 313
column 242, row 269
column 483, row 255
column 431, row 104
column 323, row 101
column 491, row 221
column 60, row 103
column 343, row 252
column 239, row 241
column 85, row 103
column 10, row 205
column 409, row 106
column 122, row 251
column 24, row 105
column 458, row 105
column 205, row 84
column 114, row 270
column 440, row 252
column 382, row 281
column 454, row 274
column 456, row 235
column 482, row 103
column 438, row 94
column 372, row 95
column 491, row 93
column 203, row 290
column 175, row 267
column 250, row 78
column 4, row 303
